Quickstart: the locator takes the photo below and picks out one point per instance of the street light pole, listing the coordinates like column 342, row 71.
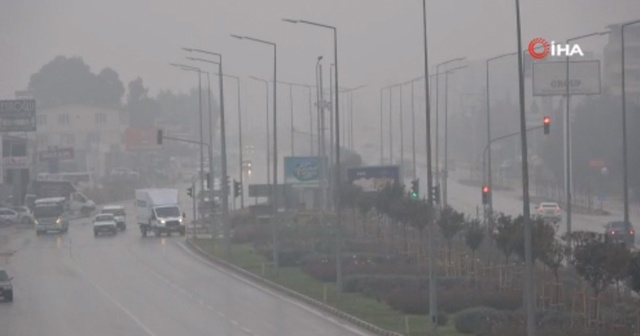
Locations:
column 291, row 107
column 266, row 86
column 274, row 191
column 568, row 161
column 529, row 286
column 381, row 126
column 625, row 160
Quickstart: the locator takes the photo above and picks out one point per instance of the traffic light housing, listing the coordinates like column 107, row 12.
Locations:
column 159, row 137
column 237, row 189
column 485, row 194
column 207, row 181
column 546, row 122
column 415, row 188
column 436, row 194
column 190, row 191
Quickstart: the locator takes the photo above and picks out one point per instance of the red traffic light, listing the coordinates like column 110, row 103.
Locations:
column 546, row 120
column 485, row 189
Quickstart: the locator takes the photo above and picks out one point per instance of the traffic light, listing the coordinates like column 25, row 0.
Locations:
column 208, row 181
column 546, row 122
column 190, row 191
column 415, row 188
column 237, row 189
column 485, row 194
column 159, row 137
column 436, row 194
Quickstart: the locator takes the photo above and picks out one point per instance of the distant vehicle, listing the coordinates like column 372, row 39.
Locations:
column 6, row 288
column 550, row 211
column 158, row 211
column 118, row 212
column 620, row 232
column 9, row 216
column 104, row 223
column 78, row 202
column 24, row 214
column 50, row 214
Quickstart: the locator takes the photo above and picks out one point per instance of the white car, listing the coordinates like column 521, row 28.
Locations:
column 118, row 212
column 24, row 214
column 105, row 223
column 550, row 210
column 9, row 216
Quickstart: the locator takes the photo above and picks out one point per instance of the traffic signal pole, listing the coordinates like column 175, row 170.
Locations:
column 193, row 204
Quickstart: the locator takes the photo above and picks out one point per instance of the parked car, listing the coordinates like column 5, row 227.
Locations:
column 9, row 216
column 6, row 288
column 620, row 232
column 24, row 214
column 550, row 211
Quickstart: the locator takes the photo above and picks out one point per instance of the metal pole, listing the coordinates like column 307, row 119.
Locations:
column 445, row 171
column 529, row 288
column 351, row 121
column 193, row 203
column 391, row 125
column 275, row 159
column 567, row 155
column 381, row 126
column 211, row 130
column 437, row 130
column 413, row 133
column 338, row 176
column 202, row 176
column 488, row 213
column 433, row 303
column 223, row 150
column 331, row 171
column 625, row 160
column 291, row 106
column 310, row 123
column 240, row 145
column 401, row 134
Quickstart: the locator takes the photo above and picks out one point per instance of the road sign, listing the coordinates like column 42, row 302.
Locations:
column 16, row 162
column 549, row 78
column 64, row 153
column 18, row 115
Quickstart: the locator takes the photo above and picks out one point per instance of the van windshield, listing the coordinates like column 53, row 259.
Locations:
column 170, row 211
column 47, row 211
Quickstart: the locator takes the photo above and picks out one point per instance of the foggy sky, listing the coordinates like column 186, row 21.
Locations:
column 380, row 41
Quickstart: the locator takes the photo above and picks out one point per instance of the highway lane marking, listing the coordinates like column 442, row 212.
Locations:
column 117, row 303
column 344, row 324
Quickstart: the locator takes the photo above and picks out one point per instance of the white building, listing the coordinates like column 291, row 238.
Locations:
column 91, row 131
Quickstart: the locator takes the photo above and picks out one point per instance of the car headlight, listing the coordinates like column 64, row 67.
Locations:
column 162, row 221
column 180, row 220
column 58, row 221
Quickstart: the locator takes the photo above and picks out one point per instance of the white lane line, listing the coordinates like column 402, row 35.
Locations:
column 247, row 330
column 201, row 302
column 220, row 314
column 118, row 304
column 234, row 322
column 210, row 307
column 335, row 320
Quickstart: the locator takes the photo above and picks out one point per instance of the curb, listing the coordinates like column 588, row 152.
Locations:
column 312, row 302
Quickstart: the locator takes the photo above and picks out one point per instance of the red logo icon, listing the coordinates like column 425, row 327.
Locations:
column 532, row 48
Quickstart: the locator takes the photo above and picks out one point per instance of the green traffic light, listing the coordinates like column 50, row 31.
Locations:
column 414, row 195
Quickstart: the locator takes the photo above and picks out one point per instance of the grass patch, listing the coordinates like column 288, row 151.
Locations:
column 367, row 309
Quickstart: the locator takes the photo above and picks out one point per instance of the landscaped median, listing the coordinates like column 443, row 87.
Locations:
column 365, row 312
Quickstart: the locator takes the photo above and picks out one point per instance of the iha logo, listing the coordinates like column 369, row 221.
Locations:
column 552, row 48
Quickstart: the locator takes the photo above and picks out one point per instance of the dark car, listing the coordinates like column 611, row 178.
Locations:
column 6, row 288
column 620, row 232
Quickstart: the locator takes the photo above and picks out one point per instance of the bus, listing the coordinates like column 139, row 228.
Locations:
column 81, row 180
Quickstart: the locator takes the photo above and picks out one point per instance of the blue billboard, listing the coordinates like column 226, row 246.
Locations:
column 302, row 170
column 374, row 178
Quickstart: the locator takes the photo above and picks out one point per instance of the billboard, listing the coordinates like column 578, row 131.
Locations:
column 56, row 153
column 16, row 162
column 18, row 115
column 374, row 178
column 302, row 170
column 549, row 78
column 141, row 138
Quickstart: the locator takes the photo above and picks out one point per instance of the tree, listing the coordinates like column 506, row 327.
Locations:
column 542, row 234
column 591, row 260
column 66, row 81
column 634, row 273
column 553, row 257
column 143, row 110
column 505, row 235
column 450, row 222
column 474, row 235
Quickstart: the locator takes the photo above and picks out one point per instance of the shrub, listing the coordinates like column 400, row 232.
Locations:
column 478, row 320
column 409, row 300
column 323, row 271
column 454, row 300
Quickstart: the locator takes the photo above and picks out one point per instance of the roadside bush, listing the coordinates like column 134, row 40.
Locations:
column 321, row 270
column 455, row 299
column 478, row 320
column 409, row 300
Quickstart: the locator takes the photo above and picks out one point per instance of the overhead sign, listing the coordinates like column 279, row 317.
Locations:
column 18, row 115
column 141, row 138
column 55, row 153
column 16, row 162
column 550, row 78
column 374, row 178
column 302, row 170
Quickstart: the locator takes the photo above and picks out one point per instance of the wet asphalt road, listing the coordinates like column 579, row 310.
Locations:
column 76, row 284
